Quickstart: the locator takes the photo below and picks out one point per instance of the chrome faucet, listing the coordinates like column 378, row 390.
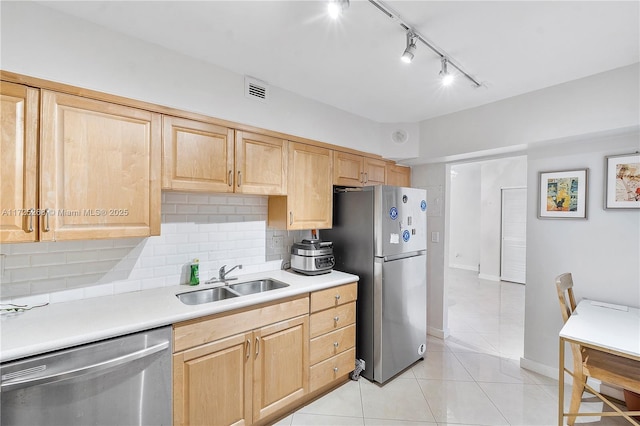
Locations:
column 222, row 274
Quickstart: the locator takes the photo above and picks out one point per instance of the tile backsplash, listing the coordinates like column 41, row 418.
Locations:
column 217, row 229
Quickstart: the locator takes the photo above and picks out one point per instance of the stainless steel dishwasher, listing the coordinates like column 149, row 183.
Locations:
column 121, row 381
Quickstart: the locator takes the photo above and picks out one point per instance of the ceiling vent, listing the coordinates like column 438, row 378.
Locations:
column 256, row 89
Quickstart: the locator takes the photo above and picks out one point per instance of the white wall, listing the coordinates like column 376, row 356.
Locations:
column 41, row 42
column 599, row 103
column 475, row 212
column 432, row 178
column 464, row 216
column 601, row 252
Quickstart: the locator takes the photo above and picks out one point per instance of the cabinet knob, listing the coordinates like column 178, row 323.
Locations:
column 337, row 297
column 336, row 319
column 335, row 369
column 336, row 344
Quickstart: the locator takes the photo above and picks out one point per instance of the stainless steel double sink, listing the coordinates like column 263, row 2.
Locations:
column 229, row 291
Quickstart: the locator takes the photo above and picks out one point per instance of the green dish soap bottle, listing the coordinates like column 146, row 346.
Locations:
column 195, row 274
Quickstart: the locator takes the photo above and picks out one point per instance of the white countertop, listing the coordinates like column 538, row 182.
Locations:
column 68, row 324
column 616, row 328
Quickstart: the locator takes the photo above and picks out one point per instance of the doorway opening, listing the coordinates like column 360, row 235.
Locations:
column 485, row 255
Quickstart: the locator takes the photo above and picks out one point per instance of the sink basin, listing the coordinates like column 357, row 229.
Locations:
column 257, row 286
column 226, row 292
column 205, row 296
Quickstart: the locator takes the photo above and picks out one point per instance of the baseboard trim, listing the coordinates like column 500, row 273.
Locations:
column 465, row 267
column 436, row 332
column 489, row 277
column 542, row 369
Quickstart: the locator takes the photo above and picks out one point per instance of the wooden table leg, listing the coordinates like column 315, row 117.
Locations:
column 561, row 383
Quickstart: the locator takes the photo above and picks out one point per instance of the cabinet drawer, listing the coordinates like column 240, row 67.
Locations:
column 332, row 319
column 333, row 343
column 332, row 369
column 203, row 330
column 333, row 296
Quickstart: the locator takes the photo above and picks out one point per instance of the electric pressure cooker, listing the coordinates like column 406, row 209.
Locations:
column 312, row 257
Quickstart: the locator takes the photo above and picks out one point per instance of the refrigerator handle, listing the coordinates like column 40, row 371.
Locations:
column 403, row 255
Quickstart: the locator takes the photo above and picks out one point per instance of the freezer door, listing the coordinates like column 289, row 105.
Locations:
column 400, row 220
column 400, row 315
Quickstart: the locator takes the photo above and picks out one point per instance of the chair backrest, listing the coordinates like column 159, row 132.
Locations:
column 564, row 284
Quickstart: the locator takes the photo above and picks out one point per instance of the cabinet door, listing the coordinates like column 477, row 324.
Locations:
column 18, row 156
column 261, row 164
column 398, row 175
column 99, row 169
column 375, row 171
column 212, row 383
column 310, row 187
column 347, row 169
column 197, row 156
column 281, row 367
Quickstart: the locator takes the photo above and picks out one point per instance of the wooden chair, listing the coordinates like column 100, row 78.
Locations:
column 588, row 362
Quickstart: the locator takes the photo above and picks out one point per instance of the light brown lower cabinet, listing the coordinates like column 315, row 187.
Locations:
column 333, row 335
column 255, row 365
column 244, row 377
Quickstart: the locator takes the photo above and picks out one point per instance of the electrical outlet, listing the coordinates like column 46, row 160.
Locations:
column 277, row 241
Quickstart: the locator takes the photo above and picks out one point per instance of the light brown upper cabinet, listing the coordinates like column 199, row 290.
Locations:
column 99, row 169
column 261, row 164
column 18, row 175
column 356, row 170
column 199, row 156
column 308, row 204
column 398, row 175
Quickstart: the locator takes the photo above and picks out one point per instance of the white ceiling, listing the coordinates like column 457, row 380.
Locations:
column 512, row 47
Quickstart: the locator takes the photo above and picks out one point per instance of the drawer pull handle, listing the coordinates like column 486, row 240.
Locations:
column 336, row 319
column 239, row 178
column 335, row 369
column 336, row 344
column 230, row 178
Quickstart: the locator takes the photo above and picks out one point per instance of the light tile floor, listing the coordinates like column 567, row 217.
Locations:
column 471, row 378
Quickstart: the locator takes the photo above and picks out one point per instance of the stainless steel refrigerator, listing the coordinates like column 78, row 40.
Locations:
column 380, row 234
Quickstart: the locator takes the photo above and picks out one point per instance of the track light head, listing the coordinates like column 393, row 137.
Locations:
column 445, row 75
column 336, row 7
column 410, row 50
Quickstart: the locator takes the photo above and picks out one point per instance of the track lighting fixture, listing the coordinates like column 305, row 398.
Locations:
column 445, row 75
column 409, row 52
column 414, row 36
column 336, row 7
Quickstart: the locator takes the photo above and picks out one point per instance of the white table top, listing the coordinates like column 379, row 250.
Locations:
column 606, row 327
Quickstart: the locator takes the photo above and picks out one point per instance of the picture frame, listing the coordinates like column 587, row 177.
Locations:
column 622, row 181
column 563, row 194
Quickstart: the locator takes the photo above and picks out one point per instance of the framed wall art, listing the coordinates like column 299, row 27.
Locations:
column 622, row 181
column 563, row 194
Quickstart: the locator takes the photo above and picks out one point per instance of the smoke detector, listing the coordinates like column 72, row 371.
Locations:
column 399, row 136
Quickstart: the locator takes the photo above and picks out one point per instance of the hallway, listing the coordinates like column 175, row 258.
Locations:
column 472, row 378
